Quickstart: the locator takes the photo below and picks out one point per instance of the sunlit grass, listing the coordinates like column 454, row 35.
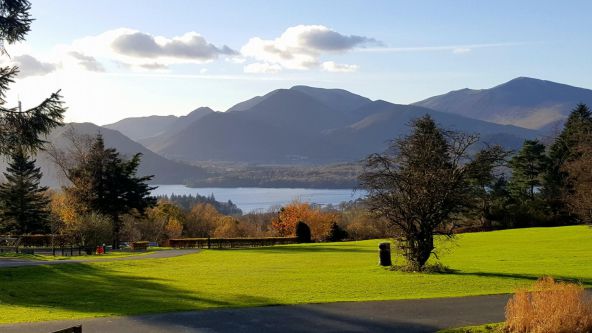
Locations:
column 482, row 263
column 487, row 328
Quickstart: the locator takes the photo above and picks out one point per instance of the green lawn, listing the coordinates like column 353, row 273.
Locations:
column 483, row 263
column 487, row 328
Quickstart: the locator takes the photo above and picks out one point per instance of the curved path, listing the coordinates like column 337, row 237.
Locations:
column 8, row 262
column 413, row 316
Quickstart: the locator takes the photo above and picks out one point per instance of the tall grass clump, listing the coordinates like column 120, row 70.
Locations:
column 550, row 307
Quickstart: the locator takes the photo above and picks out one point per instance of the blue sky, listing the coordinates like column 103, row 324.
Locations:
column 115, row 59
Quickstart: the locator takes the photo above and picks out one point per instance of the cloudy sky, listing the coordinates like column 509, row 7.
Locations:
column 116, row 59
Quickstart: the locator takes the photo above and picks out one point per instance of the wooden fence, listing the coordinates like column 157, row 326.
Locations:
column 219, row 243
column 31, row 244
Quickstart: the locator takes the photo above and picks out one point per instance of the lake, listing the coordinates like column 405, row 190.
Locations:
column 249, row 199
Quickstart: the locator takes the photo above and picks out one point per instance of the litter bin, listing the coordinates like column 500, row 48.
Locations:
column 385, row 254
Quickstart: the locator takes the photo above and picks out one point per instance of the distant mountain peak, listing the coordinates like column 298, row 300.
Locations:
column 523, row 101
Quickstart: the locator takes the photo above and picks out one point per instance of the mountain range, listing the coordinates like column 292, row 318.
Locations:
column 303, row 125
column 315, row 126
column 165, row 171
column 524, row 102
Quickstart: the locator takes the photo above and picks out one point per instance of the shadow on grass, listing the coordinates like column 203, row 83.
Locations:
column 519, row 276
column 97, row 290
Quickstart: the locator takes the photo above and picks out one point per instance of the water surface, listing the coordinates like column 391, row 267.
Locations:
column 249, row 199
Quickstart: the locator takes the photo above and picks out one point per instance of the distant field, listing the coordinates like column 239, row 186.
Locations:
column 484, row 263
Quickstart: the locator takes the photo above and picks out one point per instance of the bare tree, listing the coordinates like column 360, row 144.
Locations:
column 419, row 185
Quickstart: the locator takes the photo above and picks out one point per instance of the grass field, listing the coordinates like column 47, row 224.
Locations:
column 482, row 263
column 487, row 328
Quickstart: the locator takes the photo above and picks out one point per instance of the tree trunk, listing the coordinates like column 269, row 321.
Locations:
column 116, row 229
column 419, row 250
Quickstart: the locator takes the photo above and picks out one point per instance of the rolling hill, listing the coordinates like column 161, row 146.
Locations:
column 165, row 171
column 310, row 126
column 524, row 102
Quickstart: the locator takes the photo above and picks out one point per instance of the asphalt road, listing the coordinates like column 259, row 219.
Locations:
column 7, row 262
column 414, row 316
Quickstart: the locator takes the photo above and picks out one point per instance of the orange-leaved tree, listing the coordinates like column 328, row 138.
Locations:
column 318, row 221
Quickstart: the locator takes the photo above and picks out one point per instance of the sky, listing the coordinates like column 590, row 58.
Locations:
column 118, row 59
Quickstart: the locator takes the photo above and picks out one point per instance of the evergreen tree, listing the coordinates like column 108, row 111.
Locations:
column 486, row 181
column 22, row 130
column 303, row 233
column 336, row 233
column 24, row 203
column 107, row 184
column 578, row 128
column 529, row 166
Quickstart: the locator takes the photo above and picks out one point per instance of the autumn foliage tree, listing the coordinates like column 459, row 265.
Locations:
column 288, row 217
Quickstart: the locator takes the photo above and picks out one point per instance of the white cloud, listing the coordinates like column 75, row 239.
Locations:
column 190, row 46
column 31, row 66
column 262, row 67
column 301, row 47
column 144, row 51
column 461, row 50
column 87, row 62
column 154, row 66
column 331, row 66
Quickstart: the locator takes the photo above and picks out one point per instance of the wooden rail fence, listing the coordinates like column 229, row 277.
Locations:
column 219, row 243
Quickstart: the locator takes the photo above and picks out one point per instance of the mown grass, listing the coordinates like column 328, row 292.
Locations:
column 487, row 328
column 481, row 263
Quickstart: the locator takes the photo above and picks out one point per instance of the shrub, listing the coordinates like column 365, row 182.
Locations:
column 228, row 227
column 91, row 230
column 303, row 232
column 319, row 221
column 550, row 306
column 336, row 233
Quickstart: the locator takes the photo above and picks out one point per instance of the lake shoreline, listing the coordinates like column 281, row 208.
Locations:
column 250, row 199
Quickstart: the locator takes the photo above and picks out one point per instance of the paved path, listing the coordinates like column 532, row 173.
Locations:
column 413, row 316
column 8, row 262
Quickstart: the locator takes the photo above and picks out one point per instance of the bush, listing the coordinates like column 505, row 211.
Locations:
column 228, row 227
column 303, row 234
column 336, row 233
column 96, row 229
column 551, row 306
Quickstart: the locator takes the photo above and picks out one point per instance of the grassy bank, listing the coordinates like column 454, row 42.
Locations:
column 482, row 263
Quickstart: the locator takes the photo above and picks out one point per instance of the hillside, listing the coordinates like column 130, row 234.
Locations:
column 144, row 128
column 524, row 102
column 165, row 171
column 310, row 126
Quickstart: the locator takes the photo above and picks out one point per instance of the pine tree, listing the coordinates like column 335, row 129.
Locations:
column 578, row 128
column 24, row 203
column 22, row 130
column 529, row 166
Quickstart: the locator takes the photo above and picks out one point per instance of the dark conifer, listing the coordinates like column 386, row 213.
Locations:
column 24, row 203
